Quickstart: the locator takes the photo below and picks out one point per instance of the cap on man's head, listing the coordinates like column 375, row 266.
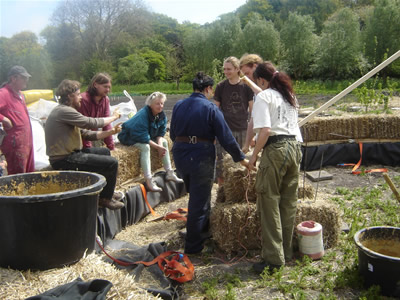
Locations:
column 18, row 70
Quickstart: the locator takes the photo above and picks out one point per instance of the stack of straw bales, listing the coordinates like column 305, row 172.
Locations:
column 235, row 223
column 379, row 127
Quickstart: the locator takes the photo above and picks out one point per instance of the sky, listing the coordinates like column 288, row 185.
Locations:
column 34, row 15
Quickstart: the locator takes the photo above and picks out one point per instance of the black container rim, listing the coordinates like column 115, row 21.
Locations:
column 368, row 251
column 87, row 190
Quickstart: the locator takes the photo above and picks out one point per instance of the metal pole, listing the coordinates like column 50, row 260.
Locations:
column 351, row 87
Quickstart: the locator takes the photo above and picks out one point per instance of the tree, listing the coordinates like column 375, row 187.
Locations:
column 23, row 49
column 173, row 64
column 197, row 52
column 340, row 52
column 63, row 46
column 382, row 32
column 94, row 66
column 247, row 11
column 299, row 43
column 132, row 69
column 261, row 37
column 224, row 38
column 155, row 61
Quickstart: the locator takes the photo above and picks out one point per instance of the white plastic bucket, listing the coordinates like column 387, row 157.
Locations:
column 310, row 239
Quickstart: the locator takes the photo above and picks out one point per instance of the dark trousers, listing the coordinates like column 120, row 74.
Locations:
column 97, row 160
column 195, row 165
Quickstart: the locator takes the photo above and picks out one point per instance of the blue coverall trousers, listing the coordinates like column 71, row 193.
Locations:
column 195, row 164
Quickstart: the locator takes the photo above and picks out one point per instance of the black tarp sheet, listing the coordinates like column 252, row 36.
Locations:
column 385, row 154
column 110, row 222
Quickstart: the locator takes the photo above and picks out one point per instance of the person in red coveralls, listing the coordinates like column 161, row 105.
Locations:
column 17, row 145
column 95, row 104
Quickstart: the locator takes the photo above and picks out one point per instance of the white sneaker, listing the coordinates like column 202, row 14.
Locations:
column 172, row 177
column 152, row 186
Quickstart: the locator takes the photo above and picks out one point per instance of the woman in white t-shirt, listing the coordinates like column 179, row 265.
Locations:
column 278, row 137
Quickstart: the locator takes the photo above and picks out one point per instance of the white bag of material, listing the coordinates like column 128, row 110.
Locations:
column 41, row 108
column 127, row 110
column 39, row 145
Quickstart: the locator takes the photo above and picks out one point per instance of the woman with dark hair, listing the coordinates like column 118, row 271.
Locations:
column 95, row 104
column 195, row 124
column 278, row 137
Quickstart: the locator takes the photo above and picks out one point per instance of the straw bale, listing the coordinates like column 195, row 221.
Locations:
column 234, row 227
column 324, row 213
column 22, row 284
column 129, row 161
column 354, row 127
column 306, row 191
column 237, row 183
column 231, row 234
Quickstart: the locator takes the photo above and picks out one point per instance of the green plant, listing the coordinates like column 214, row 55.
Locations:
column 209, row 287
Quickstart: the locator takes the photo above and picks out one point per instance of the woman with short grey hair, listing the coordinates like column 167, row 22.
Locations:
column 147, row 129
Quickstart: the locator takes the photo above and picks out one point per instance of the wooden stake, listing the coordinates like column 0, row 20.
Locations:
column 392, row 187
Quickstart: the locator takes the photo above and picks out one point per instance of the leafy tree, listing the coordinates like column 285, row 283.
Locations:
column 318, row 10
column 173, row 64
column 132, row 69
column 155, row 61
column 62, row 45
column 197, row 52
column 97, row 22
column 340, row 51
column 247, row 11
column 95, row 65
column 261, row 37
column 23, row 49
column 299, row 43
column 223, row 38
column 382, row 32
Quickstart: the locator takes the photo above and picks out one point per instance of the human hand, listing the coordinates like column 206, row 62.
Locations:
column 7, row 124
column 161, row 151
column 253, row 143
column 245, row 149
column 245, row 163
column 252, row 163
column 116, row 114
column 117, row 128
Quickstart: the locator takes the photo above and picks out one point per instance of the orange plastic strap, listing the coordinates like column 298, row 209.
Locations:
column 353, row 171
column 179, row 214
column 173, row 268
column 144, row 192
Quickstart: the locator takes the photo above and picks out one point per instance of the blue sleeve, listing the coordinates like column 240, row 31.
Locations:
column 135, row 130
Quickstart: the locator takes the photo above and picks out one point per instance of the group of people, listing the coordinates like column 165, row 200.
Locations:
column 255, row 100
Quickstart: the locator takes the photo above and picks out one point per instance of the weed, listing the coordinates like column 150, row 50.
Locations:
column 209, row 287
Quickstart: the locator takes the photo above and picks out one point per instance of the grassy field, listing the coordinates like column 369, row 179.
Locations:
column 300, row 86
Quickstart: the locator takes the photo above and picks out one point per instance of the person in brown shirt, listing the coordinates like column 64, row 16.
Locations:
column 235, row 99
column 64, row 130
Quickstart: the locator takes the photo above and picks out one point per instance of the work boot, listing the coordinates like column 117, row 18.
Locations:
column 172, row 177
column 118, row 196
column 110, row 204
column 152, row 186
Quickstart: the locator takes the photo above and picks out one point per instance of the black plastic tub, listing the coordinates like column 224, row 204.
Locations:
column 379, row 258
column 47, row 219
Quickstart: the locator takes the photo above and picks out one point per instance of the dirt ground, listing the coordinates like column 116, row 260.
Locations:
column 217, row 264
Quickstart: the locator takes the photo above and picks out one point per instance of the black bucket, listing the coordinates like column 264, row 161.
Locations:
column 47, row 219
column 379, row 258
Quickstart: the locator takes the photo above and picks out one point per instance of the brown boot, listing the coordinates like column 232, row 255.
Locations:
column 110, row 204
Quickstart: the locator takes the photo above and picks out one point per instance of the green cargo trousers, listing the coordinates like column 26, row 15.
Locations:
column 276, row 187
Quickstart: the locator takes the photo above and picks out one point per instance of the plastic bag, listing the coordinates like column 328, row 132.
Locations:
column 127, row 110
column 41, row 109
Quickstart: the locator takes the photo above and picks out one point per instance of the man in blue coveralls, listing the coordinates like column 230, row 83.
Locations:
column 195, row 124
